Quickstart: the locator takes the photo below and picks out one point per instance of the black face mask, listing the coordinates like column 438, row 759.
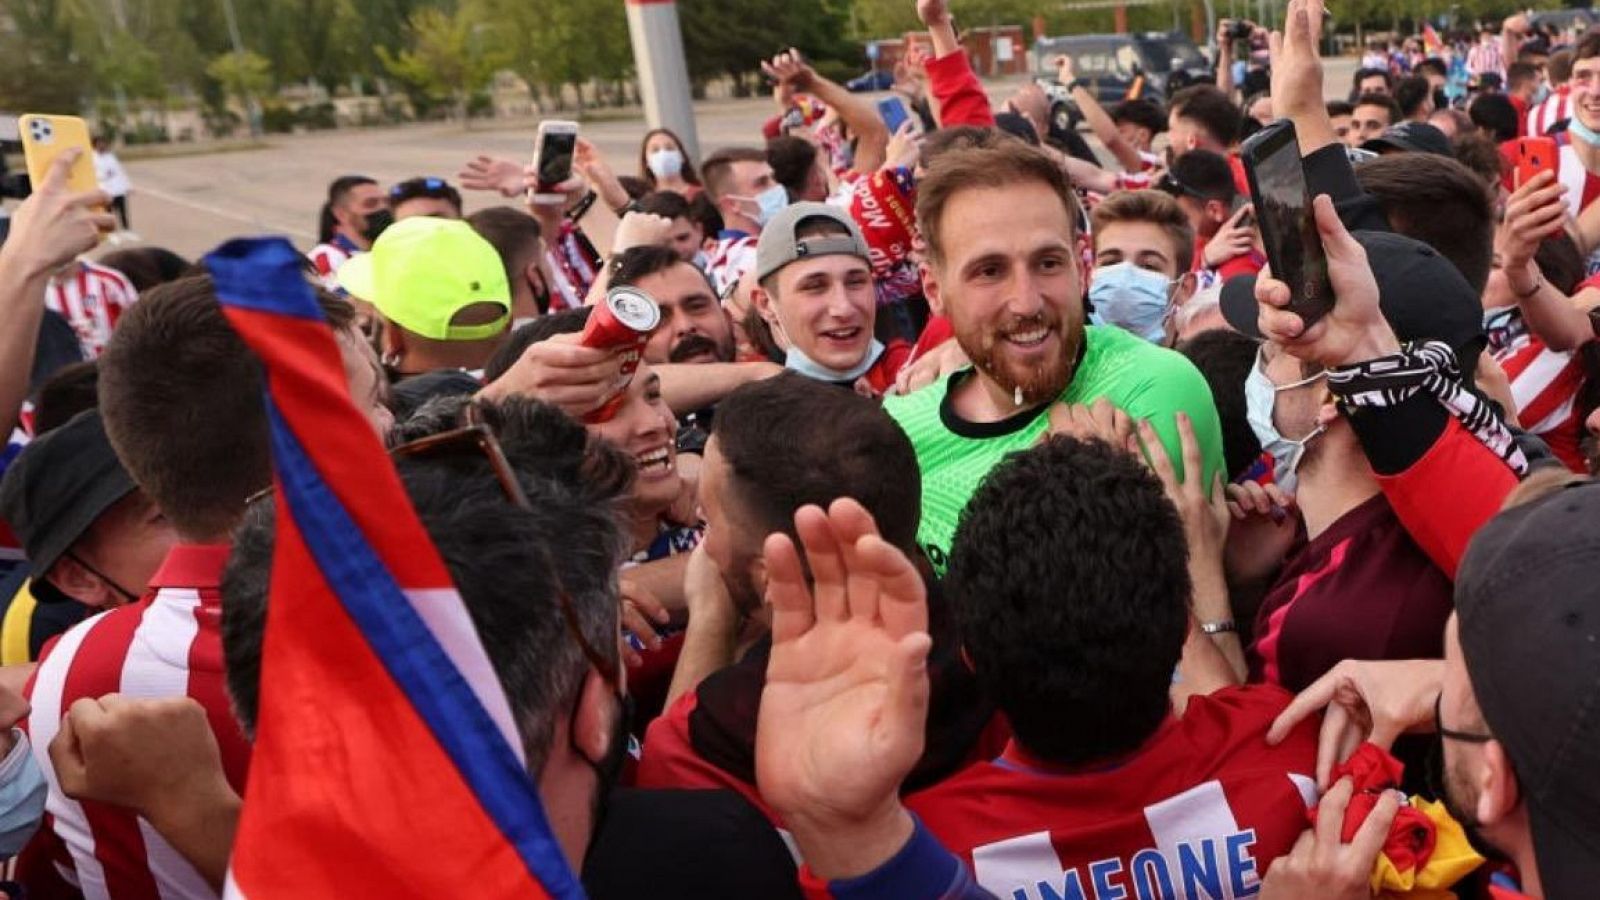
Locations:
column 376, row 223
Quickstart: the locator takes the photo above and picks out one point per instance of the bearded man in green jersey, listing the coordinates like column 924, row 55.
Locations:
column 1003, row 265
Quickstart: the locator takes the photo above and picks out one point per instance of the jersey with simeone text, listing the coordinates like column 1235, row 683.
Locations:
column 954, row 455
column 1198, row 812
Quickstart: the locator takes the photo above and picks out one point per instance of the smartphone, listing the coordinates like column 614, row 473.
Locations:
column 45, row 138
column 1533, row 155
column 552, row 158
column 1283, row 213
column 893, row 111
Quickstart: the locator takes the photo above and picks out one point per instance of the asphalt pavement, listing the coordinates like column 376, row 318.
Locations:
column 191, row 202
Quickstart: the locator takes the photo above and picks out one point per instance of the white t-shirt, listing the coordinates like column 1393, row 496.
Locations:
column 108, row 169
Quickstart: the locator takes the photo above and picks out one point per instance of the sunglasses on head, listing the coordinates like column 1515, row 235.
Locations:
column 419, row 187
column 477, row 437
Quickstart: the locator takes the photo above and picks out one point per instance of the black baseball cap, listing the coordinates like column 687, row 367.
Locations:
column 1528, row 607
column 60, row 484
column 1423, row 296
column 1411, row 137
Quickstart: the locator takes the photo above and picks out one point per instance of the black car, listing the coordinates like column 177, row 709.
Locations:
column 1113, row 63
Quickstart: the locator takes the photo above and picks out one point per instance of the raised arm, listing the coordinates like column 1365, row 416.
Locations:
column 47, row 231
column 1297, row 76
column 955, row 88
column 1099, row 120
column 1535, row 212
column 857, row 113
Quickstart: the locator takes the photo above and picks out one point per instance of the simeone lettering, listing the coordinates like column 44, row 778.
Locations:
column 1206, row 869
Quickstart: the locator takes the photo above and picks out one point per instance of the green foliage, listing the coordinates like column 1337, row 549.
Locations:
column 242, row 75
column 450, row 56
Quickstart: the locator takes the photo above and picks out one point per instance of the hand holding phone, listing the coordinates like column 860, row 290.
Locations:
column 1283, row 211
column 46, row 138
column 893, row 111
column 56, row 223
column 552, row 159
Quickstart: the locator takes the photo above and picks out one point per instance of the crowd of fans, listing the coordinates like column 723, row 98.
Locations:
column 976, row 521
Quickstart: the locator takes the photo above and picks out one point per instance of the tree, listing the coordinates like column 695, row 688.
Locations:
column 243, row 75
column 451, row 55
column 39, row 72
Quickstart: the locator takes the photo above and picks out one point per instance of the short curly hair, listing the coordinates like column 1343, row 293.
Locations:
column 1070, row 587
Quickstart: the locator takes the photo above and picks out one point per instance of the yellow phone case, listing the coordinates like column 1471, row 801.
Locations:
column 45, row 138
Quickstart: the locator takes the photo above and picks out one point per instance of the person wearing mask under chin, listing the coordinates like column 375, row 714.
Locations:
column 817, row 295
column 1143, row 248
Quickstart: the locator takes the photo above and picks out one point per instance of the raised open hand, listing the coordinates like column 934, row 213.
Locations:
column 846, row 698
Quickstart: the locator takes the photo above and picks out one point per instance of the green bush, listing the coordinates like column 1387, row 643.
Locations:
column 480, row 105
column 145, row 133
column 317, row 117
column 277, row 118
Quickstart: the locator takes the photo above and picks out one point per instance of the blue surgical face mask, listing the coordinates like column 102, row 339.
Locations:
column 22, row 795
column 1541, row 94
column 1260, row 397
column 665, row 163
column 769, row 203
column 1582, row 132
column 796, row 360
column 1131, row 298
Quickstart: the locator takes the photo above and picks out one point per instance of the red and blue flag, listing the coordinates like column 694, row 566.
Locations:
column 386, row 761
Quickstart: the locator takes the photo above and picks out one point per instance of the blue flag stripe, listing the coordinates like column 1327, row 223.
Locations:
column 418, row 663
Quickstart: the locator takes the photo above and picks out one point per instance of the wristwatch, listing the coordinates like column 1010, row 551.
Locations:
column 1225, row 625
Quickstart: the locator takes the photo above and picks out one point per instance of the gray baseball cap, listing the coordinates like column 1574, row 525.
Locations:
column 779, row 245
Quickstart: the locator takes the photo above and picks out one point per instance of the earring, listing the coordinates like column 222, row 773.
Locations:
column 390, row 360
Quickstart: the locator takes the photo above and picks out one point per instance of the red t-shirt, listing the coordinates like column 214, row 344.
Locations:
column 1205, row 802
column 1521, row 106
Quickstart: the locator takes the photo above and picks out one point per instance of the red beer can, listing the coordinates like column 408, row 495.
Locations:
column 622, row 323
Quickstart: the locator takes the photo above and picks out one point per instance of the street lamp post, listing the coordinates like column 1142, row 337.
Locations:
column 663, row 73
column 252, row 109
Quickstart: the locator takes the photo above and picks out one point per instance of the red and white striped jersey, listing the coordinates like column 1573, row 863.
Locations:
column 733, row 255
column 327, row 258
column 1199, row 811
column 1555, row 107
column 1545, row 385
column 91, row 297
column 1583, row 188
column 169, row 644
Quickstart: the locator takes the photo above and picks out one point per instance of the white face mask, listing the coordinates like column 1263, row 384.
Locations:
column 1132, row 298
column 665, row 163
column 1260, row 397
column 768, row 203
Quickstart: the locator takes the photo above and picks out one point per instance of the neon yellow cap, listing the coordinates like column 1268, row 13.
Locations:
column 422, row 271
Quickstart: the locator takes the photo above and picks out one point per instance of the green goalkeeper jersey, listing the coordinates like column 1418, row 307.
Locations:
column 1141, row 379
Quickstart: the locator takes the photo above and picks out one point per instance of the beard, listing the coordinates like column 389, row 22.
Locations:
column 1460, row 801
column 693, row 344
column 1034, row 382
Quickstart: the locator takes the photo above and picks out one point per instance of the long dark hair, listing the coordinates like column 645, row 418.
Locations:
column 689, row 174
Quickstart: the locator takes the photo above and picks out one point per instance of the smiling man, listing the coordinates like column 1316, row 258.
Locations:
column 816, row 293
column 1003, row 266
